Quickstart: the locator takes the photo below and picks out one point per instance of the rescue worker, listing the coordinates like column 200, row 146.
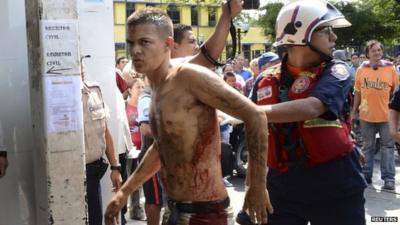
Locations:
column 314, row 173
column 98, row 141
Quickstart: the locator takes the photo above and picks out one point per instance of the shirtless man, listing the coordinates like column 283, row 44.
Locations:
column 186, row 149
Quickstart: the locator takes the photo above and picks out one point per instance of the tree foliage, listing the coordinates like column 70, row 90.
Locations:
column 388, row 12
column 366, row 25
column 268, row 18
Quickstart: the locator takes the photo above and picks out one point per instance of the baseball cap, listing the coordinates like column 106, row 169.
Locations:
column 266, row 58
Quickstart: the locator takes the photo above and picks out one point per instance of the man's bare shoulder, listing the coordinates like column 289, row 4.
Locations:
column 193, row 69
column 189, row 73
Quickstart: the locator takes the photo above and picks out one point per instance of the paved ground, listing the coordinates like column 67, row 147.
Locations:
column 378, row 202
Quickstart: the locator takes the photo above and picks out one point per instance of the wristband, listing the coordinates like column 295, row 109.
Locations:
column 117, row 167
column 3, row 154
column 208, row 57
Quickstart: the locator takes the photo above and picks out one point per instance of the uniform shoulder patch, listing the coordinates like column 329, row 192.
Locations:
column 300, row 84
column 340, row 71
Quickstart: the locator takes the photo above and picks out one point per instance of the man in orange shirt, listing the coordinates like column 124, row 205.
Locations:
column 376, row 80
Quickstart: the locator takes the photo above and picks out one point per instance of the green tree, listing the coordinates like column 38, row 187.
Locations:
column 268, row 18
column 388, row 12
column 366, row 25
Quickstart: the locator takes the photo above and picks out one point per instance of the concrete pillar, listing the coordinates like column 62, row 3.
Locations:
column 53, row 53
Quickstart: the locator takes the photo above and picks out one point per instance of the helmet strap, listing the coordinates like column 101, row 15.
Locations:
column 324, row 57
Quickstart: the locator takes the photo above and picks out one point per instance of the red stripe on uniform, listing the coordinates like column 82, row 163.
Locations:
column 155, row 186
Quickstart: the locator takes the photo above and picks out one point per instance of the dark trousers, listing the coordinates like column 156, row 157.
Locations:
column 124, row 175
column 329, row 194
column 94, row 200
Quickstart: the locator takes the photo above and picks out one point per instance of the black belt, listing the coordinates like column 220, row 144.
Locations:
column 199, row 207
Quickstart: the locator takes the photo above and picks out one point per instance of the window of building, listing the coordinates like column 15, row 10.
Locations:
column 174, row 13
column 151, row 4
column 130, row 8
column 120, row 49
column 268, row 47
column 194, row 15
column 256, row 53
column 246, row 51
column 212, row 20
column 228, row 51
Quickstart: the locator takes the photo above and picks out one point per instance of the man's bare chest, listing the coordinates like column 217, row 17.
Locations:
column 176, row 113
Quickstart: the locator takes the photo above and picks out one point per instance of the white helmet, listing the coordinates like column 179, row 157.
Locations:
column 297, row 20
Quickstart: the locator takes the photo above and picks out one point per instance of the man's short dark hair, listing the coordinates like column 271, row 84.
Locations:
column 151, row 15
column 179, row 31
column 228, row 74
column 119, row 59
column 354, row 54
column 371, row 44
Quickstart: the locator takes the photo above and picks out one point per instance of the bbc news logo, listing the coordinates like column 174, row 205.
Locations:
column 387, row 219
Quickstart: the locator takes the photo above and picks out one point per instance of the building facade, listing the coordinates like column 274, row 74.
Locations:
column 202, row 15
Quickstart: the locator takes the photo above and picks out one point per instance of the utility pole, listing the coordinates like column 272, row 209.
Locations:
column 53, row 53
column 198, row 20
column 239, row 33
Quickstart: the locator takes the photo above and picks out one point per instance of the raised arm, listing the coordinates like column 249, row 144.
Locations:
column 210, row 90
column 146, row 169
column 216, row 43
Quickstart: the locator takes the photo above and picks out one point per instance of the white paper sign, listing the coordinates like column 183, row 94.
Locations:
column 60, row 47
column 63, row 103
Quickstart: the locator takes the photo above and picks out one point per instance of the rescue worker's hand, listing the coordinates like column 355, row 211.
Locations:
column 257, row 204
column 114, row 207
column 236, row 7
column 116, row 180
column 3, row 166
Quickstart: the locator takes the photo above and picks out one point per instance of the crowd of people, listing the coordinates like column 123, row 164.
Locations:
column 309, row 98
column 300, row 103
column 310, row 94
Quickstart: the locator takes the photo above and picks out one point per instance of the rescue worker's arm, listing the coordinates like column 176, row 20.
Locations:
column 394, row 118
column 146, row 169
column 212, row 91
column 293, row 111
column 356, row 104
column 216, row 43
column 116, row 178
